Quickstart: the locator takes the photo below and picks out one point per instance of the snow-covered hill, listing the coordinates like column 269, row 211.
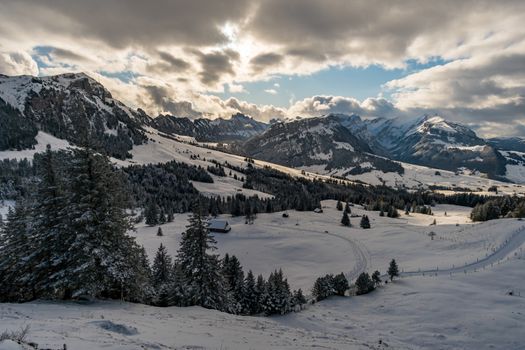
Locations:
column 73, row 107
column 323, row 141
column 447, row 311
column 438, row 143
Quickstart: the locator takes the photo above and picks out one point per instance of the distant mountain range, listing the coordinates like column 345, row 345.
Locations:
column 77, row 108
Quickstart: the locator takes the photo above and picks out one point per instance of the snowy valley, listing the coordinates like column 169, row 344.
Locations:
column 334, row 195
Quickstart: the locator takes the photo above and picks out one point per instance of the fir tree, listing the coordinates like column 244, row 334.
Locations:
column 279, row 297
column 339, row 205
column 365, row 222
column 49, row 229
column 340, row 284
column 162, row 267
column 16, row 244
column 376, row 278
column 234, row 282
column 261, row 293
column 345, row 221
column 323, row 287
column 250, row 302
column 101, row 257
column 201, row 270
column 159, row 232
column 151, row 214
column 393, row 270
column 364, row 284
column 347, row 208
column 298, row 298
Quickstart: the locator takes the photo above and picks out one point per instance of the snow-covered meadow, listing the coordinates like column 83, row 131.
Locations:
column 468, row 308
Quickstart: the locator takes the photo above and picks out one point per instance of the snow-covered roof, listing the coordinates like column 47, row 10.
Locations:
column 218, row 224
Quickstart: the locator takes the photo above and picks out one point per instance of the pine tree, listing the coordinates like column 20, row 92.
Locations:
column 48, row 216
column 162, row 267
column 162, row 216
column 261, row 293
column 101, row 258
column 393, row 270
column 347, row 208
column 323, row 287
column 340, row 284
column 339, row 205
column 159, row 232
column 201, row 270
column 376, row 278
column 234, row 282
column 250, row 302
column 365, row 222
column 151, row 214
column 279, row 297
column 16, row 244
column 381, row 212
column 364, row 284
column 298, row 298
column 345, row 221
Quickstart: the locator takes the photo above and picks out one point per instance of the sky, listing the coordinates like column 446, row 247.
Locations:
column 464, row 60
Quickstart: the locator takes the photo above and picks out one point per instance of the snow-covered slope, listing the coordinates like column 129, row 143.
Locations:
column 76, row 108
column 438, row 143
column 468, row 309
column 323, row 141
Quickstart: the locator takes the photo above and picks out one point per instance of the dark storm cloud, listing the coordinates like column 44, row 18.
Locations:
column 216, row 64
column 64, row 54
column 263, row 61
column 168, row 64
column 161, row 97
column 131, row 22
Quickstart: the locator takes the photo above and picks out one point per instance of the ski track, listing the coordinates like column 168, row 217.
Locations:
column 511, row 244
column 360, row 252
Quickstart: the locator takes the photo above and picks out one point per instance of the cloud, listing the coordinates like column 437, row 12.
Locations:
column 236, row 88
column 260, row 62
column 271, row 91
column 320, row 105
column 17, row 63
column 489, row 88
column 215, row 65
column 168, row 64
column 121, row 24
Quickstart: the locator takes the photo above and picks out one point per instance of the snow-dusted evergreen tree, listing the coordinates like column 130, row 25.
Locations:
column 159, row 232
column 365, row 222
column 162, row 267
column 234, row 282
column 250, row 302
column 393, row 270
column 364, row 284
column 201, row 270
column 279, row 296
column 323, row 287
column 49, row 229
column 262, row 293
column 101, row 259
column 298, row 298
column 345, row 221
column 16, row 246
column 340, row 284
column 151, row 214
column 162, row 273
column 347, row 208
column 376, row 278
column 339, row 205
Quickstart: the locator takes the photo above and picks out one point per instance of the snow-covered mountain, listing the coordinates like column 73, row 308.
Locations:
column 69, row 106
column 508, row 143
column 238, row 127
column 436, row 142
column 324, row 141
